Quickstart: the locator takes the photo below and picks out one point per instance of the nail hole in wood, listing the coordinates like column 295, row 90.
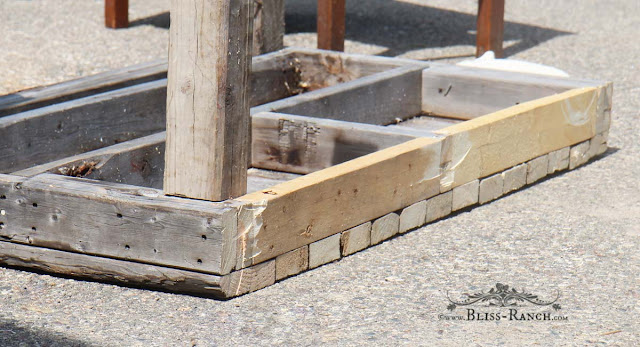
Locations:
column 155, row 250
column 119, row 215
column 204, row 237
column 33, row 229
column 2, row 197
column 1, row 225
column 35, row 204
column 199, row 261
column 126, row 247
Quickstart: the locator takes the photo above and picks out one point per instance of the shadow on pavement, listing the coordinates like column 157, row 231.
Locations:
column 13, row 334
column 400, row 27
column 403, row 27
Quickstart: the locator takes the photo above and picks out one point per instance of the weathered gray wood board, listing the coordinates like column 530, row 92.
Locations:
column 73, row 127
column 383, row 98
column 110, row 270
column 268, row 26
column 326, row 68
column 306, row 144
column 465, row 93
column 138, row 162
column 100, row 83
column 274, row 76
column 60, row 130
column 122, row 222
column 280, row 142
column 93, row 122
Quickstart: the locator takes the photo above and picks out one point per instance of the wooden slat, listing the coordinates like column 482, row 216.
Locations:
column 117, row 221
column 331, row 24
column 320, row 69
column 100, row 83
column 109, row 270
column 426, row 123
column 73, row 127
column 61, row 130
column 465, row 92
column 305, row 144
column 138, row 162
column 382, row 98
column 490, row 27
column 277, row 139
column 81, row 125
column 326, row 202
column 273, row 76
column 323, row 203
column 116, row 13
column 487, row 145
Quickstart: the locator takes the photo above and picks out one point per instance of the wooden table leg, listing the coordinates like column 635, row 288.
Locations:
column 116, row 13
column 208, row 121
column 490, row 31
column 331, row 23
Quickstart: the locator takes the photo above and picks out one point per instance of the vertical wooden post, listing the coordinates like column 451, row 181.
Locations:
column 268, row 26
column 331, row 24
column 490, row 30
column 116, row 13
column 208, row 122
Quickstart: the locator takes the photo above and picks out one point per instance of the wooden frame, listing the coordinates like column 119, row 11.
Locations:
column 331, row 174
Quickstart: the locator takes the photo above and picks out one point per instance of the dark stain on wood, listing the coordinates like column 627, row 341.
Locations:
column 289, row 157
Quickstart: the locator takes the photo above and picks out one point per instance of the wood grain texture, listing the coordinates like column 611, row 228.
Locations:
column 426, row 123
column 208, row 123
column 138, row 162
column 483, row 146
column 108, row 270
column 82, row 87
column 268, row 26
column 331, row 24
column 303, row 145
column 61, row 130
column 280, row 142
column 466, row 93
column 320, row 69
column 292, row 263
column 326, row 202
column 117, row 221
column 273, row 76
column 116, row 13
column 490, row 27
column 250, row 279
column 381, row 99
